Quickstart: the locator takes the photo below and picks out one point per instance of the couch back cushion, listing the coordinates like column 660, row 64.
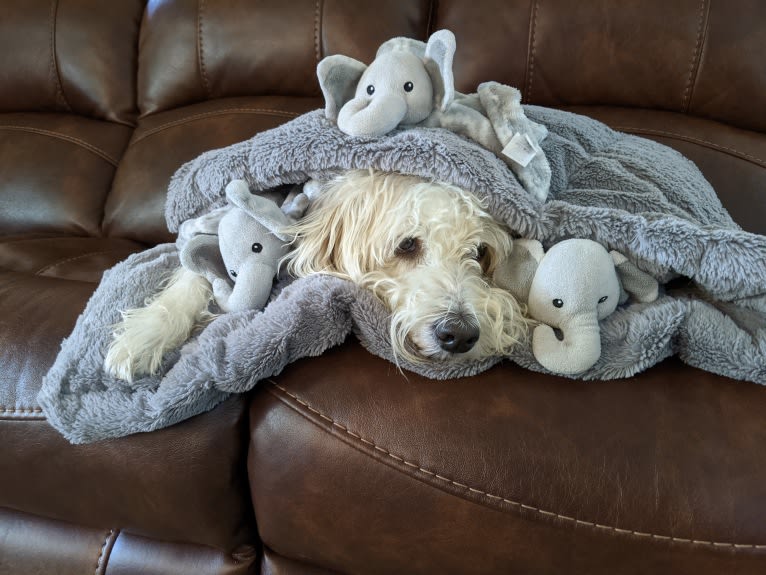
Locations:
column 197, row 50
column 689, row 56
column 67, row 110
column 74, row 56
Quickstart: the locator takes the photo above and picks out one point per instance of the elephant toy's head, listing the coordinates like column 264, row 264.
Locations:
column 404, row 84
column 569, row 290
column 241, row 260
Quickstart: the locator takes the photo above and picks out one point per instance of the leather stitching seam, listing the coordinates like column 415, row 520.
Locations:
column 498, row 498
column 694, row 65
column 102, row 553
column 264, row 111
column 54, row 70
column 201, row 48
column 72, row 259
column 532, row 48
column 82, row 143
column 700, row 141
column 18, row 409
column 317, row 27
column 430, row 21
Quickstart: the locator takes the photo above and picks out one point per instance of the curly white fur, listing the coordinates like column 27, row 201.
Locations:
column 356, row 229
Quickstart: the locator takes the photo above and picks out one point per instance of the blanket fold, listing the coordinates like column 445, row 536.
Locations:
column 630, row 194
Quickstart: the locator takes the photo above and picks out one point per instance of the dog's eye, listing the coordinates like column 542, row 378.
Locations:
column 557, row 303
column 257, row 248
column 408, row 86
column 483, row 256
column 408, row 247
column 603, row 299
column 370, row 89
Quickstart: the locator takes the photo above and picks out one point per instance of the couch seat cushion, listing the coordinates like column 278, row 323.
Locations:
column 44, row 285
column 183, row 483
column 510, row 472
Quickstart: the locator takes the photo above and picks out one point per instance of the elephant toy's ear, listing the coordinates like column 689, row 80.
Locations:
column 338, row 76
column 515, row 274
column 202, row 255
column 634, row 282
column 263, row 210
column 295, row 205
column 440, row 51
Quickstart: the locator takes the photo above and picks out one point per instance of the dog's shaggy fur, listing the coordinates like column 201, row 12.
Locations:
column 425, row 249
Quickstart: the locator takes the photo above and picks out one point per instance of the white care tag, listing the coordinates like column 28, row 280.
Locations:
column 521, row 149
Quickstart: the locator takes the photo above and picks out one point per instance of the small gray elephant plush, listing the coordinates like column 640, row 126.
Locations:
column 410, row 83
column 568, row 290
column 241, row 258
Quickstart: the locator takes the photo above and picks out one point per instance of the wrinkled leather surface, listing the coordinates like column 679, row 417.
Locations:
column 55, row 172
column 164, row 141
column 100, row 102
column 273, row 564
column 510, row 471
column 185, row 483
column 74, row 56
column 32, row 545
column 36, row 313
column 193, row 51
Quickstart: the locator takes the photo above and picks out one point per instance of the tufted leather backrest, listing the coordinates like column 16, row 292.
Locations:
column 702, row 58
column 70, row 56
column 196, row 50
column 124, row 92
column 67, row 110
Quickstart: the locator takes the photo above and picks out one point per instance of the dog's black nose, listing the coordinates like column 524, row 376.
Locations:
column 455, row 334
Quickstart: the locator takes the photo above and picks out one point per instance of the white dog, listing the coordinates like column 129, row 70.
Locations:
column 425, row 249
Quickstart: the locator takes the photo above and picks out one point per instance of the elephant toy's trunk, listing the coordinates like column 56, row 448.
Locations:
column 570, row 349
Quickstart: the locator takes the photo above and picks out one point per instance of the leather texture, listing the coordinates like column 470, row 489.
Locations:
column 164, row 141
column 185, row 483
column 34, row 545
column 56, row 171
column 273, row 564
column 349, row 465
column 508, row 472
column 74, row 56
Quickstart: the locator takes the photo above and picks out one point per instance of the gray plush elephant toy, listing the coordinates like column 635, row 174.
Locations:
column 410, row 83
column 240, row 259
column 568, row 290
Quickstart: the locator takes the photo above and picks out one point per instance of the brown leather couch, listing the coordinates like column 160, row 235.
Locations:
column 341, row 464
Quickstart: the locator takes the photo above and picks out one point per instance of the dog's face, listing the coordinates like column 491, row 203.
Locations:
column 426, row 250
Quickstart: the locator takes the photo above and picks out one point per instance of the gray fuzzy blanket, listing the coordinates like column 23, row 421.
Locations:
column 630, row 194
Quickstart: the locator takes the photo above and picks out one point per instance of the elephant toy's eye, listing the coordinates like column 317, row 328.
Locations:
column 557, row 303
column 408, row 87
column 257, row 248
column 370, row 89
column 232, row 273
column 603, row 299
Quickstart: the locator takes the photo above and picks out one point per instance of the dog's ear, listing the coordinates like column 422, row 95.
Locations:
column 316, row 235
